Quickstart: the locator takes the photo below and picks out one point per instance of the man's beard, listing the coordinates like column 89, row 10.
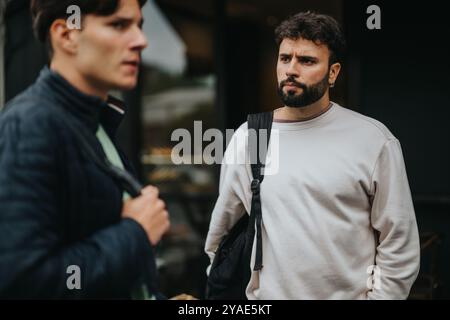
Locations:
column 309, row 95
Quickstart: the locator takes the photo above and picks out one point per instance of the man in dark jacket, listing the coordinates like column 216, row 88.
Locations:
column 61, row 215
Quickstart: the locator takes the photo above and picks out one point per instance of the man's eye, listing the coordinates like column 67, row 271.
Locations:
column 308, row 62
column 284, row 59
column 119, row 25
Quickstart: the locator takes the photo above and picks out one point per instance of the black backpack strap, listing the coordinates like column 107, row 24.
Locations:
column 258, row 122
column 126, row 180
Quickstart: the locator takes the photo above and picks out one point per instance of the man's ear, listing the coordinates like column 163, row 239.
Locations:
column 63, row 38
column 334, row 72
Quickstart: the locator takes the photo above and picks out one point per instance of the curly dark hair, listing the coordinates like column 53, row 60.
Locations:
column 44, row 12
column 319, row 28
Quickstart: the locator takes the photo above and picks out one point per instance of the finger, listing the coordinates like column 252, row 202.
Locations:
column 150, row 190
column 161, row 220
column 159, row 205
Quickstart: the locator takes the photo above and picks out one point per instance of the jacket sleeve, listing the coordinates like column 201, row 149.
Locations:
column 34, row 261
column 397, row 258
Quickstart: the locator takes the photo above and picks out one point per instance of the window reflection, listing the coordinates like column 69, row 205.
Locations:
column 178, row 88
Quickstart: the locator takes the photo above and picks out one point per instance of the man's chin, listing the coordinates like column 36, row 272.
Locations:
column 296, row 106
column 126, row 86
column 294, row 102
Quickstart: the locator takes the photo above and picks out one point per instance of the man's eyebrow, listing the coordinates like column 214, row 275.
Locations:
column 300, row 57
column 305, row 57
column 129, row 19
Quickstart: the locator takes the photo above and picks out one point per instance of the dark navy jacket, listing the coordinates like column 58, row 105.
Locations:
column 57, row 208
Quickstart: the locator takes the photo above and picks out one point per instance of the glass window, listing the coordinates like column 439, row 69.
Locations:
column 178, row 92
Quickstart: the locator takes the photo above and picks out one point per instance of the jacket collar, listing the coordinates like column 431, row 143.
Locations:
column 90, row 110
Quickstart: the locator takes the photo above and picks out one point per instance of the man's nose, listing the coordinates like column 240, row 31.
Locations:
column 293, row 70
column 140, row 41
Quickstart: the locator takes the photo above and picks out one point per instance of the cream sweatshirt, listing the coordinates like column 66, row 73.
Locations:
column 338, row 218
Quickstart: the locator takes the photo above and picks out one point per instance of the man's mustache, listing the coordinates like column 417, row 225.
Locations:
column 293, row 82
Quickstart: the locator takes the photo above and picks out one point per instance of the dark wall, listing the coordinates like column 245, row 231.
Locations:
column 402, row 71
column 404, row 68
column 24, row 55
column 241, row 59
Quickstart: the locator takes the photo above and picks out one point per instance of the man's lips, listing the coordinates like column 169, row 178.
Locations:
column 291, row 84
column 134, row 63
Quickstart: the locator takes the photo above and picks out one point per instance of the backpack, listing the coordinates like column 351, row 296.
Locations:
column 230, row 271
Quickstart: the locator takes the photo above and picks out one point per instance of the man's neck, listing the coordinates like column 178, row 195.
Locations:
column 304, row 113
column 76, row 80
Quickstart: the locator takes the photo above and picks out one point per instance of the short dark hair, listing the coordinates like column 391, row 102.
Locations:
column 44, row 12
column 319, row 28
